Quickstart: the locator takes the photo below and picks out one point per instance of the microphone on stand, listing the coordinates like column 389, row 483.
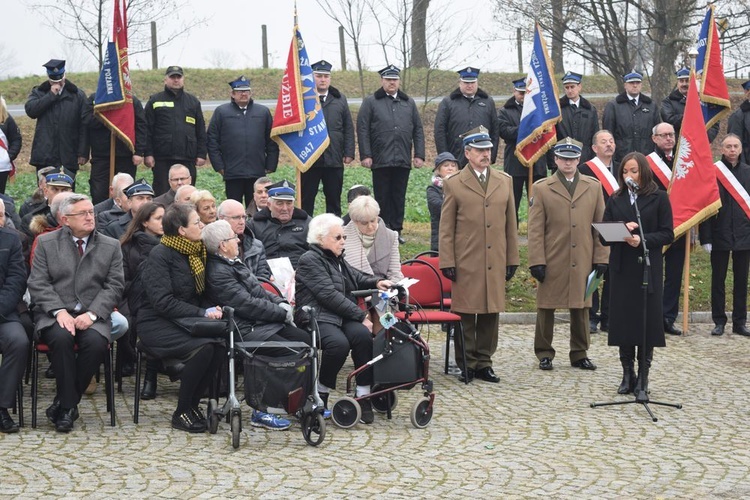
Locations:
column 632, row 185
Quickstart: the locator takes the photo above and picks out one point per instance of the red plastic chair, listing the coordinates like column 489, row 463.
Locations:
column 432, row 258
column 270, row 286
column 427, row 296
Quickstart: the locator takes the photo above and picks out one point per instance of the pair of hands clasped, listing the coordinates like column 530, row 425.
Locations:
column 450, row 272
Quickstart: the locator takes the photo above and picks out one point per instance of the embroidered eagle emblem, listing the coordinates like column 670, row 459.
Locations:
column 684, row 163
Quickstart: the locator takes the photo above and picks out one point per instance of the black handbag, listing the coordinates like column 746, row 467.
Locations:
column 203, row 327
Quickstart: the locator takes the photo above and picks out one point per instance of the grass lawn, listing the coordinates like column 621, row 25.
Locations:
column 520, row 292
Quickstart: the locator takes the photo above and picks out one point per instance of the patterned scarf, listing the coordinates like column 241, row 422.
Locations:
column 196, row 254
column 437, row 181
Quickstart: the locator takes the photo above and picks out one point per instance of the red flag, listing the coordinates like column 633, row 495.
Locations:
column 693, row 191
column 290, row 112
column 713, row 91
column 113, row 103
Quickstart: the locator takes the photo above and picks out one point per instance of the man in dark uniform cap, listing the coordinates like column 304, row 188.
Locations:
column 580, row 120
column 139, row 193
column 465, row 108
column 239, row 141
column 563, row 249
column 388, row 128
column 673, row 106
column 55, row 183
column 739, row 124
column 58, row 107
column 329, row 168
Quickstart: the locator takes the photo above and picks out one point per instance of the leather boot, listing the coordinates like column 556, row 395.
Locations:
column 627, row 357
column 641, row 385
column 149, row 384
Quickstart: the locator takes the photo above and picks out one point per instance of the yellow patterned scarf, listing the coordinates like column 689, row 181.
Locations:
column 196, row 254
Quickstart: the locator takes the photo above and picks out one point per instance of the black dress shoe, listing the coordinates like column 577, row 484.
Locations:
column 592, row 326
column 671, row 329
column 53, row 411
column 545, row 364
column 604, row 326
column 199, row 416
column 741, row 330
column 718, row 330
column 583, row 364
column 488, row 375
column 188, row 423
column 468, row 376
column 7, row 425
column 65, row 420
column 49, row 372
column 149, row 390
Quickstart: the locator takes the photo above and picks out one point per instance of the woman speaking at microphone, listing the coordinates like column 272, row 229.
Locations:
column 626, row 262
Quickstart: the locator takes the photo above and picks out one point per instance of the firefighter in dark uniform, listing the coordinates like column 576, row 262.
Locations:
column 176, row 130
column 673, row 106
column 464, row 109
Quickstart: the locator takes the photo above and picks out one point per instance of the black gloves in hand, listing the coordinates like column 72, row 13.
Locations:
column 600, row 269
column 509, row 272
column 539, row 272
column 449, row 272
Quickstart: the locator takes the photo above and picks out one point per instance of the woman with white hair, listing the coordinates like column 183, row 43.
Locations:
column 325, row 282
column 10, row 143
column 205, row 205
column 260, row 315
column 370, row 246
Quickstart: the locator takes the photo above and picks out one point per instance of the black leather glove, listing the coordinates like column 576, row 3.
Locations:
column 449, row 272
column 510, row 271
column 600, row 269
column 539, row 272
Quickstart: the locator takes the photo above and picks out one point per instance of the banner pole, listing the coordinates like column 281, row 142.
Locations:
column 298, row 198
column 531, row 181
column 111, row 157
column 686, row 284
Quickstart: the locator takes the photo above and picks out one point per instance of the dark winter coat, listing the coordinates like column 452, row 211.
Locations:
column 325, row 282
column 240, row 144
column 435, row 206
column 340, row 131
column 631, row 126
column 13, row 274
column 730, row 228
column 739, row 124
column 117, row 227
column 388, row 128
column 626, row 270
column 581, row 124
column 170, row 295
column 254, row 254
column 98, row 135
column 509, row 119
column 231, row 283
column 13, row 135
column 176, row 128
column 281, row 240
column 457, row 115
column 60, row 132
column 673, row 109
column 134, row 252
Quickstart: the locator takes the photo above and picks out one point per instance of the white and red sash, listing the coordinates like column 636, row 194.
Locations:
column 733, row 186
column 660, row 168
column 4, row 155
column 609, row 183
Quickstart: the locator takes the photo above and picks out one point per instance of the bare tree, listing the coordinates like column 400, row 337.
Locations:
column 350, row 15
column 7, row 61
column 88, row 22
column 419, row 57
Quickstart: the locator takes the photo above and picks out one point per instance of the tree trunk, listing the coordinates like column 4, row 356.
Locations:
column 419, row 34
column 558, row 34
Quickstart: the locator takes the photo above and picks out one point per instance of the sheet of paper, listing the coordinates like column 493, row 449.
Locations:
column 612, row 232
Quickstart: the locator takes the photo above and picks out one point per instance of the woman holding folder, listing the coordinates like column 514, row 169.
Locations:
column 626, row 268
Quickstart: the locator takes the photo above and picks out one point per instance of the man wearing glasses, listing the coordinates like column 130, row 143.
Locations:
column 661, row 161
column 239, row 142
column 76, row 281
column 176, row 130
column 252, row 252
column 179, row 176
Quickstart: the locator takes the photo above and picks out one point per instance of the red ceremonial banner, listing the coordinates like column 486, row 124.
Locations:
column 290, row 111
column 693, row 191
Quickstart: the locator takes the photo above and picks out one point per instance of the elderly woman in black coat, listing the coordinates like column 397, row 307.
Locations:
column 260, row 315
column 325, row 281
column 626, row 270
column 174, row 300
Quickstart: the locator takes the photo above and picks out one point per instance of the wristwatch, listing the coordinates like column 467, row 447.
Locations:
column 91, row 315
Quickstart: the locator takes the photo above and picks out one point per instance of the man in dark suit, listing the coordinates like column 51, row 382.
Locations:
column 329, row 168
column 580, row 120
column 76, row 281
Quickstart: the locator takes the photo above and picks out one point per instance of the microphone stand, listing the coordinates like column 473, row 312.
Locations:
column 642, row 396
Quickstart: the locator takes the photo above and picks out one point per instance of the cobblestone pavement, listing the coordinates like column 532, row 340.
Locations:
column 532, row 435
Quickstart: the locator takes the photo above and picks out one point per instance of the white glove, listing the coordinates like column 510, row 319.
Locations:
column 707, row 247
column 289, row 313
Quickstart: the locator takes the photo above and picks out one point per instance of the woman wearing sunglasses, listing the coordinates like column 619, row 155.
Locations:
column 325, row 281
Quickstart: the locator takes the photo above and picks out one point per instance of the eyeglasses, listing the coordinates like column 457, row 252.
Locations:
column 79, row 214
column 234, row 217
column 339, row 237
column 179, row 179
column 668, row 135
column 233, row 238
